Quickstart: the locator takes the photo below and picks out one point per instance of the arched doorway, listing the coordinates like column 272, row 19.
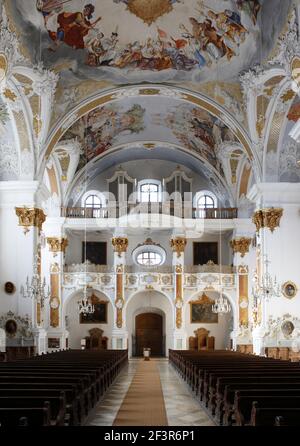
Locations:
column 149, row 333
column 144, row 302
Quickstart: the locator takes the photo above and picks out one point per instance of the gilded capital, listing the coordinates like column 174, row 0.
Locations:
column 240, row 245
column 178, row 245
column 267, row 218
column 57, row 244
column 30, row 217
column 120, row 244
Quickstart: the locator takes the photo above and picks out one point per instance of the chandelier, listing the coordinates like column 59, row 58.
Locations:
column 36, row 288
column 266, row 287
column 85, row 305
column 221, row 305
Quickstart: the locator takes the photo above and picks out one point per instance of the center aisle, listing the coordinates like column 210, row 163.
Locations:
column 149, row 393
column 144, row 403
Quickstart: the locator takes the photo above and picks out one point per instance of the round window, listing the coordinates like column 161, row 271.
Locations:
column 149, row 254
column 149, row 258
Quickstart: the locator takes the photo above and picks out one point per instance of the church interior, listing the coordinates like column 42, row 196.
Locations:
column 149, row 212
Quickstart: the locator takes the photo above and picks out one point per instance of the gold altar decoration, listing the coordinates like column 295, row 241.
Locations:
column 30, row 217
column 240, row 245
column 57, row 244
column 267, row 218
column 178, row 245
column 120, row 244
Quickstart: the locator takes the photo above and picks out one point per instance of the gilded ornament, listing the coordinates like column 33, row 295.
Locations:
column 30, row 217
column 57, row 244
column 241, row 245
column 120, row 244
column 178, row 245
column 3, row 67
column 243, row 269
column 267, row 218
column 9, row 94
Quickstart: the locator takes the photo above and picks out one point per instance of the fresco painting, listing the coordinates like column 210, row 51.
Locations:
column 198, row 131
column 113, row 38
column 99, row 129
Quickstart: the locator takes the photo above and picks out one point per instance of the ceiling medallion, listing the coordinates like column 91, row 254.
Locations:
column 149, row 10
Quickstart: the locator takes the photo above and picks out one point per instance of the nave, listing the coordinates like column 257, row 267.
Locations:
column 179, row 403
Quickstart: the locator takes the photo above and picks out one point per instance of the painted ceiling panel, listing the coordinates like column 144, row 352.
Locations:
column 148, row 40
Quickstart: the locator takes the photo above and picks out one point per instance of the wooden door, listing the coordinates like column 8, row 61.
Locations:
column 149, row 333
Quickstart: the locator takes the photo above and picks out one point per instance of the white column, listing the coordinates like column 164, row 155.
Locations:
column 53, row 256
column 280, row 242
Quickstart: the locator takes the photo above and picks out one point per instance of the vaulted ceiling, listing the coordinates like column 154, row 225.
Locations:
column 209, row 80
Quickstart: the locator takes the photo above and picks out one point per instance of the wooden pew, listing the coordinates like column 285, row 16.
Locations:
column 35, row 416
column 243, row 405
column 57, row 405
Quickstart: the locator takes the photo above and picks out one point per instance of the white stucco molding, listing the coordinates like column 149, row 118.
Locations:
column 274, row 194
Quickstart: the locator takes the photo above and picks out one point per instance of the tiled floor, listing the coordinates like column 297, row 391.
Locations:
column 181, row 406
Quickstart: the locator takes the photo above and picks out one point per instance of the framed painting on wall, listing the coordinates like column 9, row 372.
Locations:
column 201, row 311
column 100, row 314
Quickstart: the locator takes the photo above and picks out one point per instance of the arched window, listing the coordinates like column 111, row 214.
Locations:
column 93, row 202
column 203, row 201
column 149, row 191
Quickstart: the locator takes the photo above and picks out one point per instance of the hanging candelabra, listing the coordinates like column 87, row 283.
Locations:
column 221, row 305
column 36, row 287
column 85, row 306
column 266, row 286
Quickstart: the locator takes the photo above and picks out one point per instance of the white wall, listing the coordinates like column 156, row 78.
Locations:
column 78, row 331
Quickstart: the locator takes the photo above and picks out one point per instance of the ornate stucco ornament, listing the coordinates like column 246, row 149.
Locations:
column 120, row 244
column 251, row 79
column 30, row 217
column 288, row 45
column 178, row 245
column 9, row 46
column 267, row 218
column 57, row 244
column 241, row 245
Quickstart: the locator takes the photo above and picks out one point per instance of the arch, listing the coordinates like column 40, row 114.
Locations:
column 108, row 96
column 77, row 330
column 166, row 151
column 225, row 294
column 140, row 302
column 68, row 297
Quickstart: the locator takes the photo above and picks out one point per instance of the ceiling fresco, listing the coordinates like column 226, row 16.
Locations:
column 150, row 119
column 148, row 40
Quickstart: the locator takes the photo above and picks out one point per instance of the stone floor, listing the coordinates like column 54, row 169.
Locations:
column 181, row 406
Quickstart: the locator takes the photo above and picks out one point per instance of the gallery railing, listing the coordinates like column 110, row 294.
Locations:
column 134, row 269
column 171, row 209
